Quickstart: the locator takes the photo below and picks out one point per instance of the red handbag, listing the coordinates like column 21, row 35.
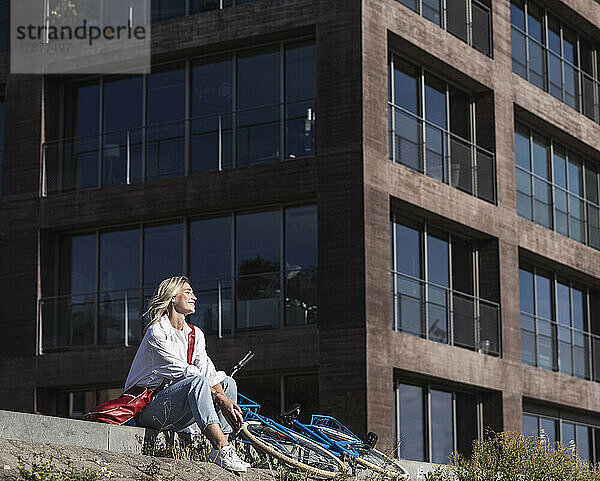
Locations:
column 132, row 401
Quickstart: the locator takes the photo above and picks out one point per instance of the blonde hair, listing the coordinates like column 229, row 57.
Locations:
column 160, row 301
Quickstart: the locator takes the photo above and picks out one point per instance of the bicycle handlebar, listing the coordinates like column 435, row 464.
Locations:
column 241, row 363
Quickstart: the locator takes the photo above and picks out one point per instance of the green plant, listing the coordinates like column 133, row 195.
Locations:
column 514, row 457
column 43, row 468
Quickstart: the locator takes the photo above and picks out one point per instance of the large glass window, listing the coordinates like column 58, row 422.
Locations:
column 559, row 323
column 554, row 57
column 434, row 421
column 469, row 20
column 134, row 129
column 556, row 187
column 266, row 261
column 435, row 284
column 432, row 130
column 571, row 430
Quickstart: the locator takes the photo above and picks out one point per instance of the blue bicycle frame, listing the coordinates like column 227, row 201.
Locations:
column 344, row 449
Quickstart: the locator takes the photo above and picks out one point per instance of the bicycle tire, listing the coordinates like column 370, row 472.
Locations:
column 298, row 452
column 370, row 458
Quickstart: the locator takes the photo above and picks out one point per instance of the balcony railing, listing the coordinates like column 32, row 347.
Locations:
column 214, row 142
column 426, row 148
column 434, row 312
column 558, row 347
column 109, row 318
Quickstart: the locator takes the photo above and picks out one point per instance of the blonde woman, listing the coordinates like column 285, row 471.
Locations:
column 187, row 393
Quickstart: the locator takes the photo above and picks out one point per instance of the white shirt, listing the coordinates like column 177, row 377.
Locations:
column 162, row 355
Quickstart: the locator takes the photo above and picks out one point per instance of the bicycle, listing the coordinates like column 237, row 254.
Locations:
column 321, row 448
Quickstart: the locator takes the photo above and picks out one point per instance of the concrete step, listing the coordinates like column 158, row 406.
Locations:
column 36, row 428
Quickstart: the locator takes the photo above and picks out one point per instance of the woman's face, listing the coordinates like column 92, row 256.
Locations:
column 184, row 301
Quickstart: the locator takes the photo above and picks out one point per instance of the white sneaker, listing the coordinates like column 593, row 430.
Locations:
column 227, row 458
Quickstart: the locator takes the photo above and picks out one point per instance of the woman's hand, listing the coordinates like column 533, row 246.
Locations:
column 232, row 412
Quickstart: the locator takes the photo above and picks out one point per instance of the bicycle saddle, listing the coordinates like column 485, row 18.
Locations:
column 291, row 414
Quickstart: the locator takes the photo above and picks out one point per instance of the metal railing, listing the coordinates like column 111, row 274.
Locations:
column 434, row 312
column 558, row 347
column 221, row 141
column 429, row 149
column 105, row 318
column 581, row 93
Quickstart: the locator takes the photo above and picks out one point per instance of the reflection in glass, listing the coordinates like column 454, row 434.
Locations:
column 411, row 433
column 442, row 430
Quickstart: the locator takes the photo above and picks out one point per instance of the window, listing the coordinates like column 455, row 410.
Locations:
column 277, row 392
column 75, row 403
column 432, row 130
column 554, row 57
column 249, row 271
column 559, row 323
column 4, row 19
column 570, row 429
column 469, row 20
column 124, row 130
column 434, row 421
column 166, row 9
column 436, row 288
column 556, row 187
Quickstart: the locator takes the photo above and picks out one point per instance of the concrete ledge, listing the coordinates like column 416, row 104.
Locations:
column 417, row 469
column 35, row 428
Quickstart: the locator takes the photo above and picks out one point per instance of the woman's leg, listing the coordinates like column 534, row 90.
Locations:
column 230, row 389
column 182, row 403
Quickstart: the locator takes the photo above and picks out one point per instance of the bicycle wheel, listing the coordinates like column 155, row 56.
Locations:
column 368, row 457
column 295, row 451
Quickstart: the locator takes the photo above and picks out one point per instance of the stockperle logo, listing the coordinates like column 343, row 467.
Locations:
column 80, row 36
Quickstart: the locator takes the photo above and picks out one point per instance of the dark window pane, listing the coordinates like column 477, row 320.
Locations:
column 300, row 80
column 466, row 422
column 554, row 34
column 300, row 265
column 411, row 430
column 591, row 185
column 560, row 166
column 165, row 142
column 526, row 291
column 584, row 443
column 212, row 94
column 412, row 4
column 540, row 156
column 406, row 86
column 437, row 261
column 544, row 296
column 442, row 431
column 165, row 9
column 522, row 147
column 432, row 11
column 456, row 18
column 258, row 74
column 517, row 14
column 460, row 113
column 534, row 22
column 258, row 257
column 122, row 142
column 210, row 273
column 563, row 304
column 163, row 253
column 408, row 250
column 304, row 390
column 567, row 434
column 435, row 101
column 548, row 430
column 119, row 284
column 530, row 425
column 462, row 265
column 70, row 321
